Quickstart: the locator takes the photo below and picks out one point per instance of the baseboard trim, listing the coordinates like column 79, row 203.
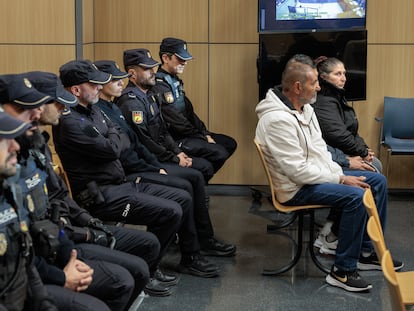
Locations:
column 231, row 190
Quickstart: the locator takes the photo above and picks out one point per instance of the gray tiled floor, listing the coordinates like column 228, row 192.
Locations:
column 241, row 285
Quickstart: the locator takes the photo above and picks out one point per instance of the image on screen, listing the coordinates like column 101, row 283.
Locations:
column 311, row 15
column 319, row 9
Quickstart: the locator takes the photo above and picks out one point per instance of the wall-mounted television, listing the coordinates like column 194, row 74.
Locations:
column 275, row 49
column 311, row 15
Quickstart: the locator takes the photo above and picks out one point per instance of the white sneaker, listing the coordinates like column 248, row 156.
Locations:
column 328, row 248
column 325, row 230
column 319, row 241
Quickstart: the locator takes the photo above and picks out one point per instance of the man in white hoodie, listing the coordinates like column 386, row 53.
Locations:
column 303, row 171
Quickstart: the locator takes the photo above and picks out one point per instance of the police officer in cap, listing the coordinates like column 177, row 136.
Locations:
column 93, row 239
column 178, row 111
column 72, row 279
column 138, row 161
column 89, row 145
column 20, row 284
column 140, row 108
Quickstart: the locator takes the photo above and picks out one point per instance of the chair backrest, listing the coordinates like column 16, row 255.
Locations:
column 276, row 204
column 371, row 207
column 392, row 282
column 397, row 121
column 377, row 238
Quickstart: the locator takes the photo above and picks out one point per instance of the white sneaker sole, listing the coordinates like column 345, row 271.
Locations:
column 327, row 251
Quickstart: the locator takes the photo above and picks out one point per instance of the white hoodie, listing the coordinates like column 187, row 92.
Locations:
column 293, row 146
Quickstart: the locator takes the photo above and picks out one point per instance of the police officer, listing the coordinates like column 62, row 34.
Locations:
column 183, row 123
column 71, row 282
column 89, row 145
column 20, row 284
column 143, row 115
column 169, row 174
column 88, row 232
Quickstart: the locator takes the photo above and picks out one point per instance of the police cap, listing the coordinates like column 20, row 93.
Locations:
column 10, row 127
column 175, row 46
column 50, row 84
column 17, row 89
column 111, row 67
column 139, row 57
column 81, row 71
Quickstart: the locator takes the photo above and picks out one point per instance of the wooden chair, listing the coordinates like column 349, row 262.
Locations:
column 301, row 211
column 377, row 238
column 399, row 284
column 371, row 207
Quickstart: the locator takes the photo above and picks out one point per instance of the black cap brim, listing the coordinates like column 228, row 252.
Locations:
column 100, row 77
column 184, row 55
column 149, row 63
column 10, row 127
column 32, row 100
column 65, row 98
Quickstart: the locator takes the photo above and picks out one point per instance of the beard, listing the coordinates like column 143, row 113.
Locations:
column 35, row 141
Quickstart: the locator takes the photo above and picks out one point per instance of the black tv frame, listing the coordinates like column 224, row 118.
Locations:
column 275, row 49
column 267, row 21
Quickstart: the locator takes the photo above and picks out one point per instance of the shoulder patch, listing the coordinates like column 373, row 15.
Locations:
column 132, row 95
column 137, row 117
column 169, row 98
column 66, row 111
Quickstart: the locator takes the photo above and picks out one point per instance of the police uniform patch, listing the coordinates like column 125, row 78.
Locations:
column 30, row 203
column 137, row 117
column 3, row 244
column 23, row 226
column 169, row 98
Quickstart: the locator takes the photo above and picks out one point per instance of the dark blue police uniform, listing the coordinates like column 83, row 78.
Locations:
column 184, row 124
column 89, row 146
column 143, row 116
column 112, row 283
column 185, row 178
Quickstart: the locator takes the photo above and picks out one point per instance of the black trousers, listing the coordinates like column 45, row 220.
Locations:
column 164, row 210
column 111, row 289
column 136, row 266
column 204, row 166
column 139, row 243
column 216, row 153
column 190, row 180
column 67, row 300
column 201, row 214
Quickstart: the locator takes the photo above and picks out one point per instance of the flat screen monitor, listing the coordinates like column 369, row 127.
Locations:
column 311, row 15
column 275, row 49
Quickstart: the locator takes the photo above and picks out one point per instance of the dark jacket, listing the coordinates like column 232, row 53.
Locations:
column 338, row 121
column 89, row 146
column 137, row 157
column 142, row 114
column 180, row 118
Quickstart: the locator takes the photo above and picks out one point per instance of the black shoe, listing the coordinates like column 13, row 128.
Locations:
column 214, row 247
column 156, row 289
column 372, row 263
column 197, row 265
column 349, row 280
column 165, row 279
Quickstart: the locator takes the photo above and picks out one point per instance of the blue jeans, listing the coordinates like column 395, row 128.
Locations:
column 352, row 237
